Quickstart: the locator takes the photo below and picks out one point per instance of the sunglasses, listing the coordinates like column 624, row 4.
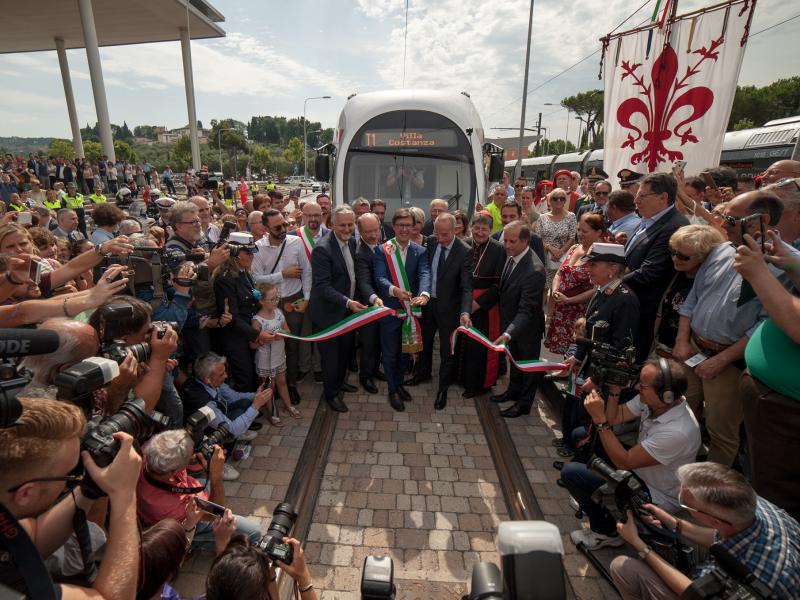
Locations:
column 702, row 512
column 558, row 199
column 679, row 255
column 601, row 193
column 67, row 479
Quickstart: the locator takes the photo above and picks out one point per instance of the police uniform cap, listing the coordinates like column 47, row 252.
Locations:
column 628, row 177
column 596, row 173
column 165, row 203
column 613, row 253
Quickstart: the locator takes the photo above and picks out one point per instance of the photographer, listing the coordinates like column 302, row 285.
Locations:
column 244, row 571
column 165, row 489
column 669, row 437
column 39, row 453
column 762, row 537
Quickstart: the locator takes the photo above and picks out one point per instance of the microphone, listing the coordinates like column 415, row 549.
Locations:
column 24, row 342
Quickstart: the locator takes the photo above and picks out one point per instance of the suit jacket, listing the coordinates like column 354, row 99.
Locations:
column 417, row 269
column 535, row 244
column 365, row 284
column 520, row 299
column 454, row 281
column 194, row 396
column 238, row 291
column 585, row 209
column 649, row 261
column 387, row 232
column 330, row 282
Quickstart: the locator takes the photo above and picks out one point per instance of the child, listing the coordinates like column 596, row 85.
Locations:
column 271, row 356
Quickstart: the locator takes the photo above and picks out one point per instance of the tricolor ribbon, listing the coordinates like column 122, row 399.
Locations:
column 308, row 240
column 351, row 323
column 527, row 366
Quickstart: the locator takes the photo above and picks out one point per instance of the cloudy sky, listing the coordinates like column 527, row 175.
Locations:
column 278, row 53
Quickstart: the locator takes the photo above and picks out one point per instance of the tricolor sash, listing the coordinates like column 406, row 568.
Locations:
column 527, row 366
column 411, row 332
column 308, row 240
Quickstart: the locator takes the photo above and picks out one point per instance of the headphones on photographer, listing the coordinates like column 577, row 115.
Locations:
column 667, row 395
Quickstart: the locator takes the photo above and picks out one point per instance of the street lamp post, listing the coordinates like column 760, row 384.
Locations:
column 518, row 167
column 305, row 150
column 219, row 145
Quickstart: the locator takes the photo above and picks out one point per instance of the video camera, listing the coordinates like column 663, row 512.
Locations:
column 196, row 425
column 208, row 181
column 116, row 349
column 609, row 365
column 151, row 267
column 272, row 543
column 729, row 579
column 628, row 493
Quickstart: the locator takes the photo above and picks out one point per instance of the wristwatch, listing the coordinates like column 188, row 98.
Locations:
column 644, row 552
column 602, row 426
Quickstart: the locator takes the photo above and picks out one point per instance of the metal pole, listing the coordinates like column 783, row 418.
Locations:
column 539, row 134
column 518, row 167
column 305, row 150
column 219, row 147
column 566, row 134
column 188, row 81
column 96, row 75
column 77, row 142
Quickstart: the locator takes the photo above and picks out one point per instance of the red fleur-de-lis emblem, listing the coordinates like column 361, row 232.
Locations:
column 659, row 101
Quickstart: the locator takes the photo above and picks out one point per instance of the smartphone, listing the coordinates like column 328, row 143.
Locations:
column 762, row 233
column 24, row 218
column 36, row 271
column 678, row 166
column 209, row 507
column 227, row 227
column 709, row 180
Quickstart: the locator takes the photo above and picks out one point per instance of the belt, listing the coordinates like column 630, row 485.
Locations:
column 708, row 345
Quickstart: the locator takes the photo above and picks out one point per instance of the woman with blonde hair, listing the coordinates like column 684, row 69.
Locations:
column 557, row 228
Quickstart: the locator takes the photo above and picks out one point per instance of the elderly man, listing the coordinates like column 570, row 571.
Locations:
column 255, row 224
column 281, row 260
column 450, row 303
column 210, row 231
column 403, row 282
column 718, row 318
column 74, row 200
column 68, row 225
column 647, row 255
column 498, row 195
column 788, row 190
column 360, row 207
column 165, row 489
column 599, row 200
column 727, row 514
column 622, row 214
column 333, row 297
column 519, row 295
column 129, row 227
column 378, row 208
column 782, row 169
column 368, row 335
column 436, row 208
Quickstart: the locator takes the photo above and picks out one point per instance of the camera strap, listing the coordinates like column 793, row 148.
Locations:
column 277, row 260
column 81, row 528
column 29, row 562
column 175, row 489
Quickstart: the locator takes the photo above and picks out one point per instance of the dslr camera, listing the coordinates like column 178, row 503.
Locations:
column 196, row 425
column 729, row 579
column 238, row 241
column 116, row 349
column 609, row 365
column 272, row 543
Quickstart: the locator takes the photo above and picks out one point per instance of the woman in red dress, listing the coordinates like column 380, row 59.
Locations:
column 571, row 289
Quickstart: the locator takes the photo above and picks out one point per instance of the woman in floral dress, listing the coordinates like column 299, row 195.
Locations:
column 557, row 230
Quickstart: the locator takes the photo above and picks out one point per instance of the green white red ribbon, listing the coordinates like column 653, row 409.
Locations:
column 308, row 240
column 411, row 331
column 527, row 366
column 351, row 323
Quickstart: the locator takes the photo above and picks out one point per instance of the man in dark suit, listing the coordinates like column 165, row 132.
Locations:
column 333, row 293
column 512, row 211
column 437, row 207
column 402, row 296
column 369, row 335
column 519, row 294
column 650, row 267
column 450, row 260
column 378, row 208
column 599, row 203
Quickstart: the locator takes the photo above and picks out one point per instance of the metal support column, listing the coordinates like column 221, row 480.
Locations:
column 96, row 75
column 77, row 142
column 188, row 80
column 518, row 167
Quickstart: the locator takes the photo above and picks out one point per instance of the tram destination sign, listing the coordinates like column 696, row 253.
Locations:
column 409, row 138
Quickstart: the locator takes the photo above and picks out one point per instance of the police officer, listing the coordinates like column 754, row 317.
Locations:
column 629, row 180
column 97, row 196
column 73, row 200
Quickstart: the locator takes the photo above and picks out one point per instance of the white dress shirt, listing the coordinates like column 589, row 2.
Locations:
column 293, row 255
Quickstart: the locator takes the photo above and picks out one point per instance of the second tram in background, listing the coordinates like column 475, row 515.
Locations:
column 408, row 147
column 749, row 152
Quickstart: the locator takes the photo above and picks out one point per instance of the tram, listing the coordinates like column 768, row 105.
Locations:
column 406, row 147
column 749, row 152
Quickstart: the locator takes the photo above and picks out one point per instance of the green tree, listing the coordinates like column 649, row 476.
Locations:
column 90, row 133
column 777, row 100
column 125, row 151
column 294, row 151
column 548, row 147
column 743, row 124
column 124, row 133
column 61, row 148
column 145, row 131
column 92, row 150
column 181, row 153
column 260, row 157
column 589, row 107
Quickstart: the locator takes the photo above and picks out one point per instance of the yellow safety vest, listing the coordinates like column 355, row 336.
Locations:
column 101, row 199
column 228, row 201
column 16, row 207
column 270, row 186
column 54, row 205
column 74, row 201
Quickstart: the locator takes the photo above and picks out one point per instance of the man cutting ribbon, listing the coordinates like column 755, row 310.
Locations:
column 404, row 282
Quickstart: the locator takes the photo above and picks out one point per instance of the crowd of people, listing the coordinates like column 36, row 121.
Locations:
column 691, row 284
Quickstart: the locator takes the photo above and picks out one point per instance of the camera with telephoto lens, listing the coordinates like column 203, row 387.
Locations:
column 271, row 543
column 623, row 492
column 728, row 579
column 116, row 349
column 609, row 365
column 196, row 425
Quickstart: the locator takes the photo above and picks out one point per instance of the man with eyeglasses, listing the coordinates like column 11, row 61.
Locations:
column 39, row 454
column 757, row 534
column 281, row 260
column 520, row 183
column 718, row 318
column 669, row 437
column 210, row 231
column 599, row 203
column 650, row 267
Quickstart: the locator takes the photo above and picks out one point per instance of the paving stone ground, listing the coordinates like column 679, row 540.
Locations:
column 419, row 486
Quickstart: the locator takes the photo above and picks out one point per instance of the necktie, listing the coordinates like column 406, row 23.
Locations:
column 351, row 272
column 439, row 269
column 507, row 270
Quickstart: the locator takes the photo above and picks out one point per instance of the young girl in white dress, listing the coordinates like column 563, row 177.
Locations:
column 271, row 356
